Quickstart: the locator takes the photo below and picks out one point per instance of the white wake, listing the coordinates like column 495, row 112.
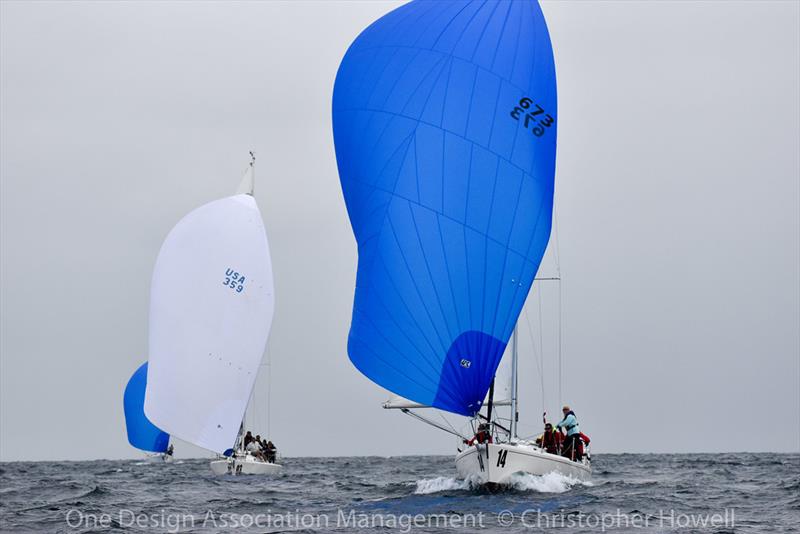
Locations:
column 435, row 485
column 550, row 483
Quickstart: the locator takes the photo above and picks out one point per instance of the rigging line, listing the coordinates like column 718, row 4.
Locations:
column 494, row 422
column 269, row 389
column 443, row 418
column 432, row 423
column 539, row 357
column 556, row 250
column 541, row 344
column 557, row 258
column 258, row 411
column 560, row 398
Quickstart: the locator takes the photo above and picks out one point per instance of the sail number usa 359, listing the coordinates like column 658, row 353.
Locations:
column 234, row 280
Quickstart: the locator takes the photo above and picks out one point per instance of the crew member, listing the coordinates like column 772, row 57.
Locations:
column 483, row 435
column 551, row 440
column 572, row 447
column 270, row 451
column 255, row 449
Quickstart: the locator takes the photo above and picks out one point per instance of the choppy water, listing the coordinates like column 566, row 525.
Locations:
column 648, row 493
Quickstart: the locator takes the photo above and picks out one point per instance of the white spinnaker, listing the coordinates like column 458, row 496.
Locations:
column 208, row 326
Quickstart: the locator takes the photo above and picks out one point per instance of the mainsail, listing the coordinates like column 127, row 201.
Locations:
column 444, row 121
column 211, row 307
column 142, row 434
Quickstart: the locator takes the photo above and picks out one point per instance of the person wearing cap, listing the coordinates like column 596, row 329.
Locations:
column 572, row 447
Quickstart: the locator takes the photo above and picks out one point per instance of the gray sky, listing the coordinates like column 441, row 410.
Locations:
column 677, row 193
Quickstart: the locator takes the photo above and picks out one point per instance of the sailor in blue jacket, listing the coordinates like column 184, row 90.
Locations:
column 572, row 447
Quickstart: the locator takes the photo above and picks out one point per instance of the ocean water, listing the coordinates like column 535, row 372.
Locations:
column 627, row 493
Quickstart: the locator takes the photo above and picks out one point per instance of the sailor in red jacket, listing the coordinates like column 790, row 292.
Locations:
column 551, row 440
column 584, row 440
column 482, row 436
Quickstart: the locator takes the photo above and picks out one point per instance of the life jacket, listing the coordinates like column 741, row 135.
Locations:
column 551, row 442
column 481, row 437
column 584, row 438
column 570, row 427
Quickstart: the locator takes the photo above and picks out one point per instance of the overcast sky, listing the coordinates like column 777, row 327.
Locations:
column 677, row 194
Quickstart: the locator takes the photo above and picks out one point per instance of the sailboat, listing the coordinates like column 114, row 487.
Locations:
column 444, row 123
column 211, row 307
column 142, row 434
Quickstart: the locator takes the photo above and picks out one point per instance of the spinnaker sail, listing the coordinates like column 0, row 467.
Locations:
column 211, row 307
column 444, row 122
column 142, row 434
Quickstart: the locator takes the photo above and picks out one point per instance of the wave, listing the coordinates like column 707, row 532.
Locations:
column 96, row 491
column 435, row 485
column 550, row 483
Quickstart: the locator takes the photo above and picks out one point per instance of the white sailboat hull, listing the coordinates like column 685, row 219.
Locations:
column 244, row 465
column 494, row 463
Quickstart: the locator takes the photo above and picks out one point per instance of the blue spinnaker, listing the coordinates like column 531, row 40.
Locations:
column 142, row 434
column 444, row 121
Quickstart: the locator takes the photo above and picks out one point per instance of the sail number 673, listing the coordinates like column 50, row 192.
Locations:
column 536, row 118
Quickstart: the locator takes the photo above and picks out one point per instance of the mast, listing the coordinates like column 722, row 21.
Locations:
column 252, row 400
column 514, row 411
column 489, row 404
column 252, row 172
